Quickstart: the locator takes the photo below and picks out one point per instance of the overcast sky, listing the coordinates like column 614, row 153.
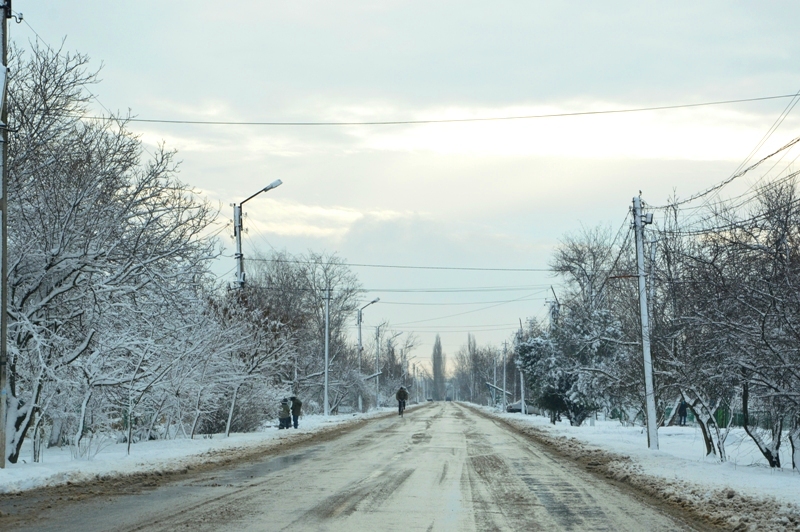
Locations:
column 479, row 194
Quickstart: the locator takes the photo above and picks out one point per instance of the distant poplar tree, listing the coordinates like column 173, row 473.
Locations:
column 438, row 363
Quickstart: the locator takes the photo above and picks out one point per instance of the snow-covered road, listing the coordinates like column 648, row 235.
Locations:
column 441, row 467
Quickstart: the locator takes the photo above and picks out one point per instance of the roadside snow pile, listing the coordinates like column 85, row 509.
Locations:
column 742, row 494
column 58, row 466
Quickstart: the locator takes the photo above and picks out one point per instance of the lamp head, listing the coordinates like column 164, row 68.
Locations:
column 274, row 184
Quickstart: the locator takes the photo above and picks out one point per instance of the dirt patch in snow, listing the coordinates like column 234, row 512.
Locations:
column 725, row 509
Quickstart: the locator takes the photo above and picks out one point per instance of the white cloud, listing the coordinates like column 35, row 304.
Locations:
column 288, row 219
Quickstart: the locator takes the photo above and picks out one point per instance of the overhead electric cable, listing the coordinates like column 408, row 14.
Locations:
column 464, row 303
column 409, row 267
column 728, row 180
column 462, row 313
column 729, row 226
column 428, row 290
column 440, row 121
column 456, row 290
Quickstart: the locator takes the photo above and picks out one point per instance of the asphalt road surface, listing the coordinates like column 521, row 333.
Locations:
column 441, row 467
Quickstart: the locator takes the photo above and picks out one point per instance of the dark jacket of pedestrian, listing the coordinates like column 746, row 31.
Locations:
column 297, row 404
column 682, row 409
column 401, row 395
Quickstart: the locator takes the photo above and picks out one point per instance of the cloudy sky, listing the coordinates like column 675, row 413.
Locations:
column 489, row 194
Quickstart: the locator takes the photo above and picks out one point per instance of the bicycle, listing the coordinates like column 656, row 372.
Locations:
column 401, row 406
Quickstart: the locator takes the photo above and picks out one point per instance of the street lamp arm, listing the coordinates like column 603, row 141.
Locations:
column 237, row 231
column 272, row 185
column 371, row 302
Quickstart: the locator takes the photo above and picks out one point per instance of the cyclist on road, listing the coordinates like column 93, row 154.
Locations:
column 402, row 397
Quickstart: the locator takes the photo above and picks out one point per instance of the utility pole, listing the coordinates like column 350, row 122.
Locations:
column 237, row 232
column 523, row 407
column 6, row 14
column 360, row 349
column 377, row 366
column 326, row 406
column 639, row 221
column 494, row 382
column 505, row 350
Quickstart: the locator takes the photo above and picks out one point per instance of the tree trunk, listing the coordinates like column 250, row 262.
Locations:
column 230, row 412
column 770, row 451
column 82, row 420
column 794, row 441
column 37, row 439
column 18, row 420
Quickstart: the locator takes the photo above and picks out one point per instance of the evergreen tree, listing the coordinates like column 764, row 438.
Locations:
column 438, row 363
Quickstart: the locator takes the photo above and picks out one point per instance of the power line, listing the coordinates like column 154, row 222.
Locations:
column 467, row 312
column 738, row 224
column 739, row 171
column 463, row 303
column 409, row 267
column 456, row 290
column 459, row 328
column 730, row 179
column 444, row 120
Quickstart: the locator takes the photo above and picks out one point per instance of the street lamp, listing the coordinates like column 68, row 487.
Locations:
column 237, row 231
column 359, row 319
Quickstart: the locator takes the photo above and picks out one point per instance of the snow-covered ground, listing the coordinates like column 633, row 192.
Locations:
column 59, row 467
column 681, row 456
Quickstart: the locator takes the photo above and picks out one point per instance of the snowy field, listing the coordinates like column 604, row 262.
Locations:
column 59, row 467
column 681, row 456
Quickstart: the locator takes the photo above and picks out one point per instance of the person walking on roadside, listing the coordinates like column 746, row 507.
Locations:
column 297, row 404
column 402, row 397
column 682, row 413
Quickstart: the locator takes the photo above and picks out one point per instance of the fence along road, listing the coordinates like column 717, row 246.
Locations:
column 441, row 467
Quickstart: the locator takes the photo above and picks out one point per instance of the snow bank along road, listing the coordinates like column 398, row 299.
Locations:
column 441, row 467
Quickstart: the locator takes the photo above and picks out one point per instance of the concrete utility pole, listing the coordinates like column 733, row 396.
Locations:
column 494, row 383
column 523, row 407
column 639, row 221
column 326, row 406
column 505, row 350
column 377, row 366
column 237, row 231
column 6, row 14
